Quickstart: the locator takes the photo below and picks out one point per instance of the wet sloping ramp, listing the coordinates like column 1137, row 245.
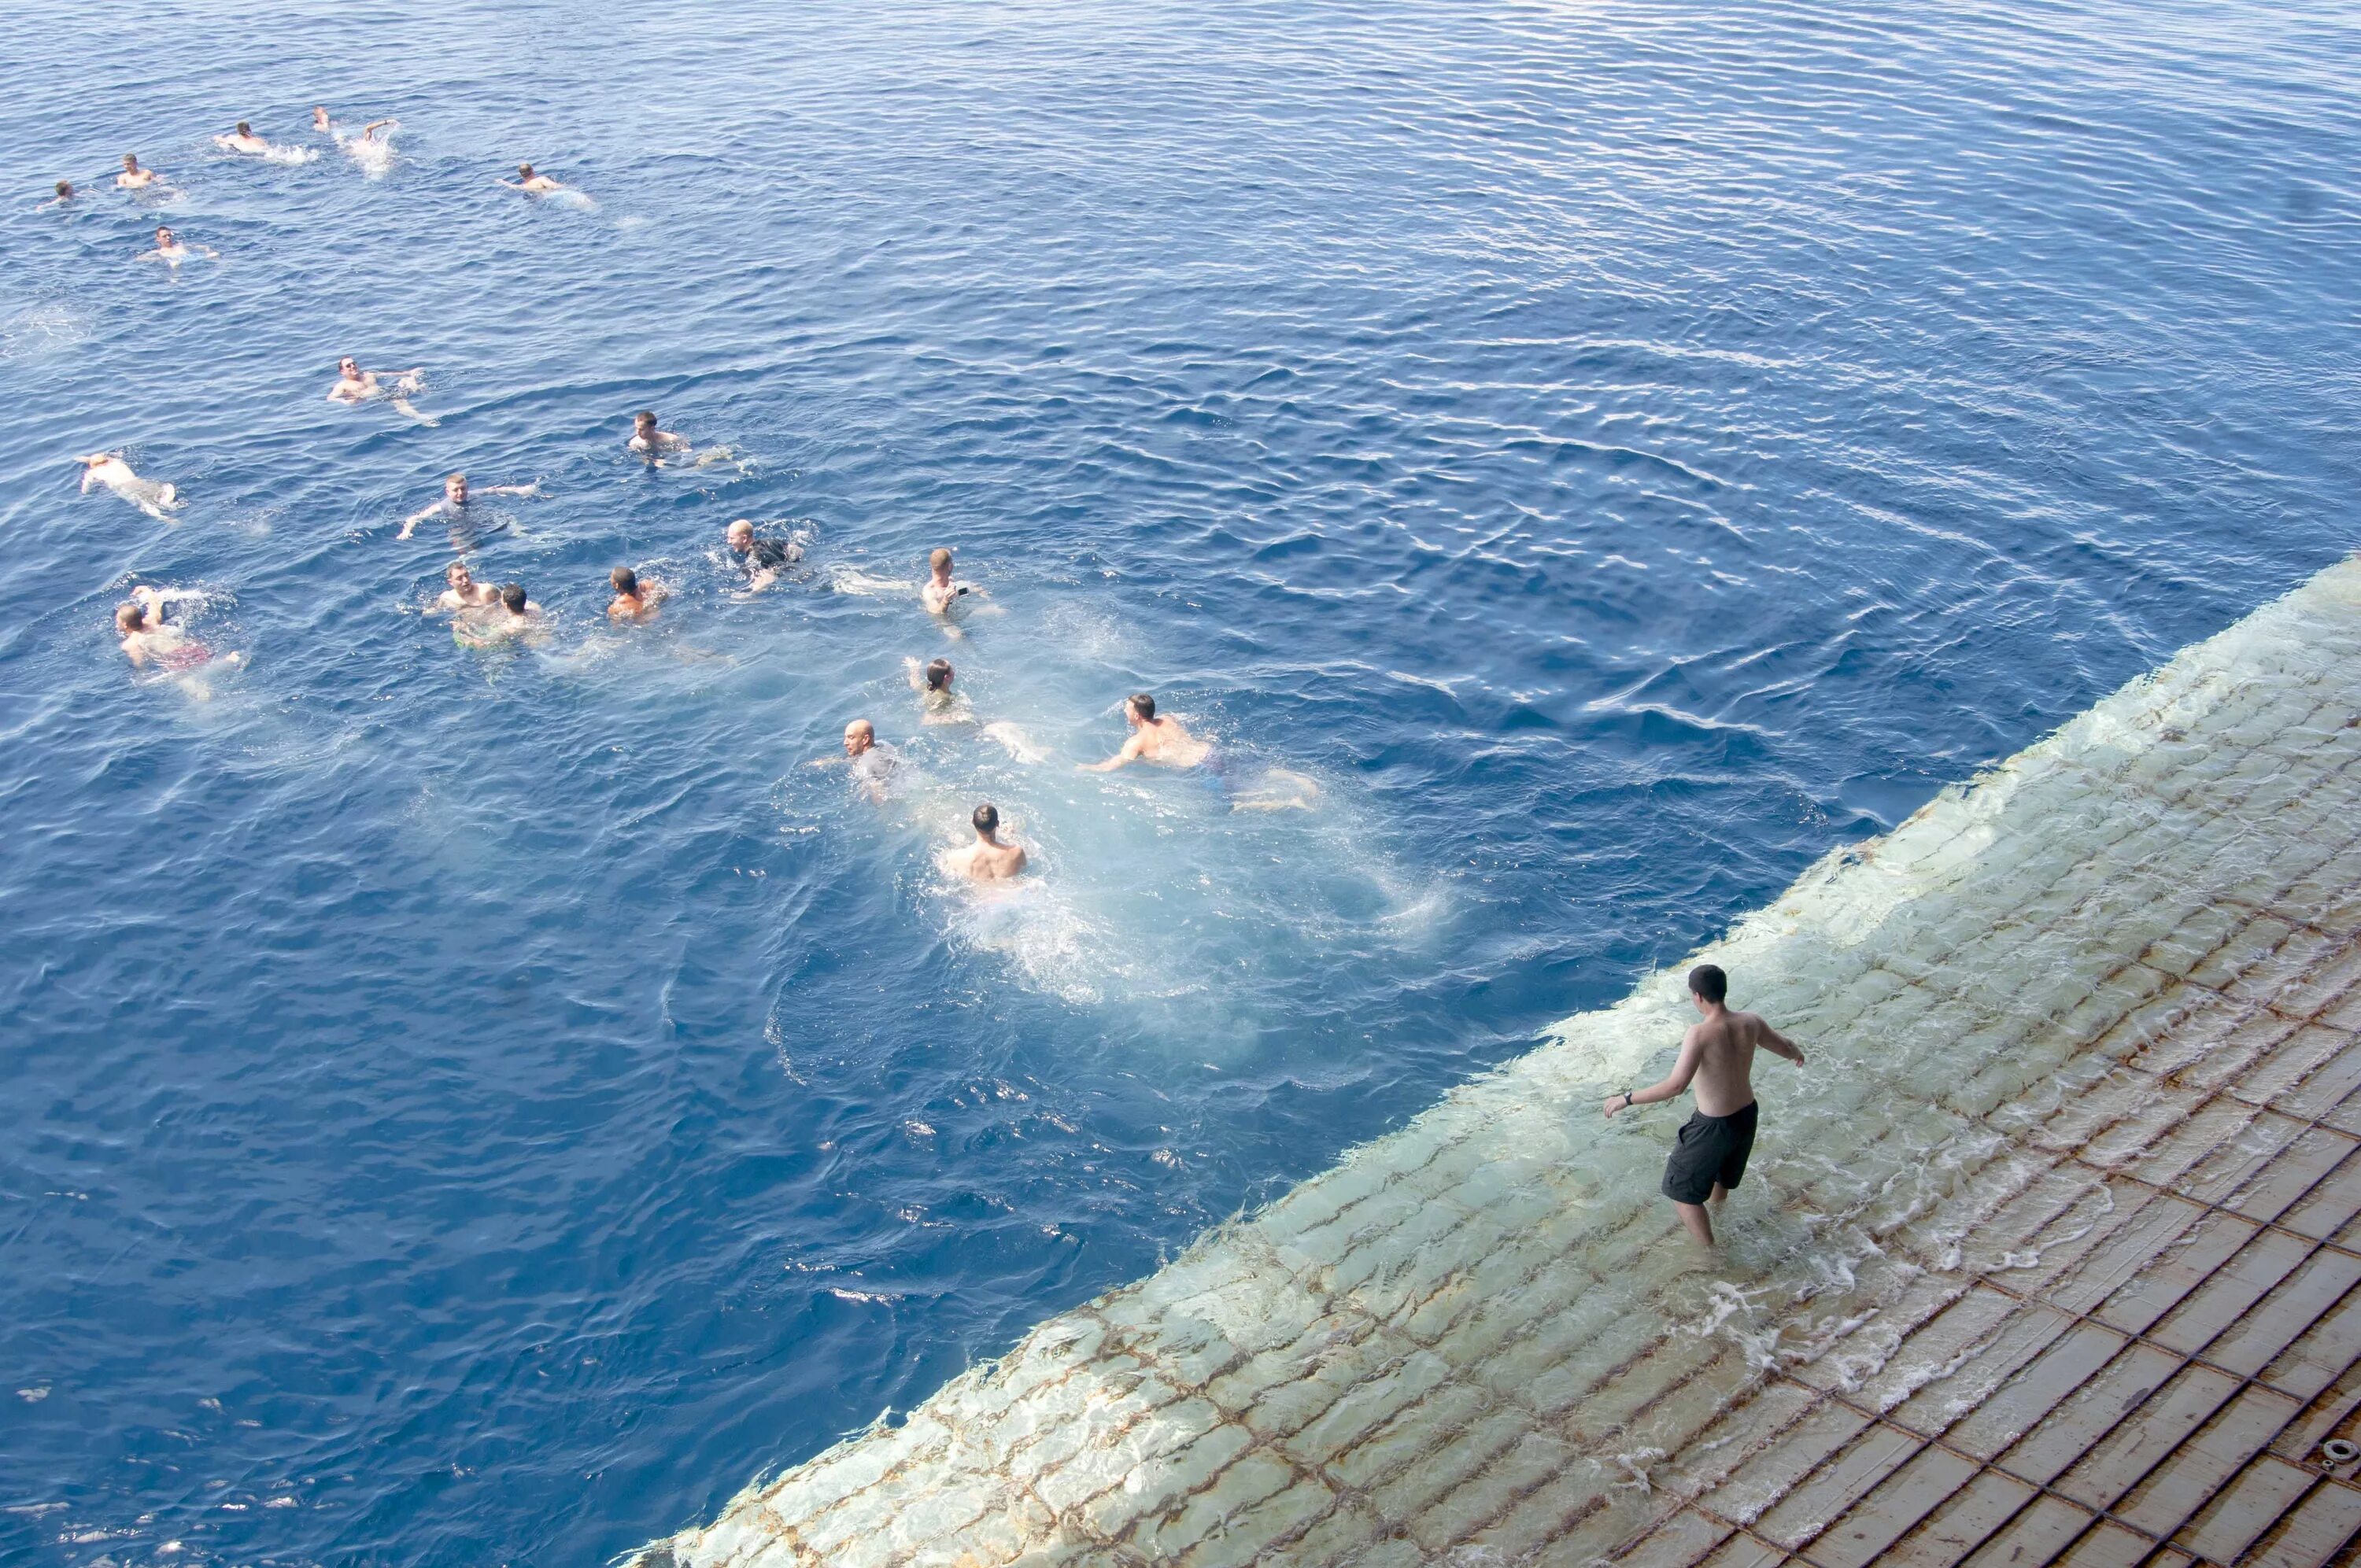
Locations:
column 2048, row 1253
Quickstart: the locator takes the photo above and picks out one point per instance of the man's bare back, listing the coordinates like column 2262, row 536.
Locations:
column 988, row 858
column 1719, row 1051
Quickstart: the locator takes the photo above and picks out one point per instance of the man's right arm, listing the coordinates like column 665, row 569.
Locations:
column 1129, row 752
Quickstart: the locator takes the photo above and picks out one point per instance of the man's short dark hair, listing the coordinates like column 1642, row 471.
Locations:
column 244, row 129
column 939, row 674
column 1707, row 980
column 646, row 416
column 1142, row 704
column 987, row 819
column 626, row 581
column 512, row 596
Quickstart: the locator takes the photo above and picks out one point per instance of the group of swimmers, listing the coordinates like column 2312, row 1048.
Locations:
column 483, row 614
column 371, row 146
column 1716, row 1056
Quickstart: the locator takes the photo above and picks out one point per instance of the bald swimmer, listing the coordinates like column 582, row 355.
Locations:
column 872, row 761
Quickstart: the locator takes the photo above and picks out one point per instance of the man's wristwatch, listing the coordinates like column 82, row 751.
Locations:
column 1628, row 1101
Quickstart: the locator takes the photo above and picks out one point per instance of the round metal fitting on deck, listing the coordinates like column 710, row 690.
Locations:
column 2337, row 1451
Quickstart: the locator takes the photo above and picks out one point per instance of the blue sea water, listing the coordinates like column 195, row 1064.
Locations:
column 467, row 1107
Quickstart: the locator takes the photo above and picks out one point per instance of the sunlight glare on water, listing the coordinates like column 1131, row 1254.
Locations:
column 475, row 1105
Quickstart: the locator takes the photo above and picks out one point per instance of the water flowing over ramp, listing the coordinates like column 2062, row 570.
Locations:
column 2049, row 1253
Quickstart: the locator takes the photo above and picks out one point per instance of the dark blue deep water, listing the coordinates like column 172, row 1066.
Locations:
column 471, row 1107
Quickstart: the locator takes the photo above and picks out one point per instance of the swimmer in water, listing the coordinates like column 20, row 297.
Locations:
column 987, row 860
column 320, row 121
column 650, row 443
column 108, row 468
column 242, row 139
column 172, row 250
column 135, row 177
column 532, row 183
column 465, row 592
column 355, row 386
column 633, row 600
column 64, row 197
column 933, row 683
column 872, row 761
column 1717, row 1055
column 512, row 616
column 1164, row 742
column 373, row 152
column 457, row 497
column 939, row 593
column 148, row 639
column 760, row 559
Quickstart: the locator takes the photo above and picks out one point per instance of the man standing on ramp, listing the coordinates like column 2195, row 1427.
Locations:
column 1709, row 1160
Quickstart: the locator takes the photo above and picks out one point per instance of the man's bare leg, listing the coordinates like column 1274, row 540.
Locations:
column 1698, row 1223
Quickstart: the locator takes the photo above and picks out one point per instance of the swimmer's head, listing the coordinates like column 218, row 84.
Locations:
column 1139, row 707
column 1707, row 983
column 626, row 581
column 512, row 596
column 163, row 234
column 130, row 162
column 244, row 129
column 859, row 736
column 524, row 170
column 986, row 819
column 941, row 561
column 938, row 676
column 349, row 365
column 454, row 486
column 130, row 618
column 65, row 188
column 457, row 574
column 741, row 536
column 645, row 421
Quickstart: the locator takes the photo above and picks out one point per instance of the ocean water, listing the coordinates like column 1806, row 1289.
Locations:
column 470, row 1106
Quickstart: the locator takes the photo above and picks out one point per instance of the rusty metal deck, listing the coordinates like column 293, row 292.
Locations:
column 2050, row 1254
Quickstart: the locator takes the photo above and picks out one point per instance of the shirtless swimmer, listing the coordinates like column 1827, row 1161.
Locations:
column 988, row 858
column 1162, row 741
column 465, row 592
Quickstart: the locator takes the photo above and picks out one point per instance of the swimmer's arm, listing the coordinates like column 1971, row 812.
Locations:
column 421, row 515
column 1683, row 1068
column 532, row 489
column 1130, row 753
